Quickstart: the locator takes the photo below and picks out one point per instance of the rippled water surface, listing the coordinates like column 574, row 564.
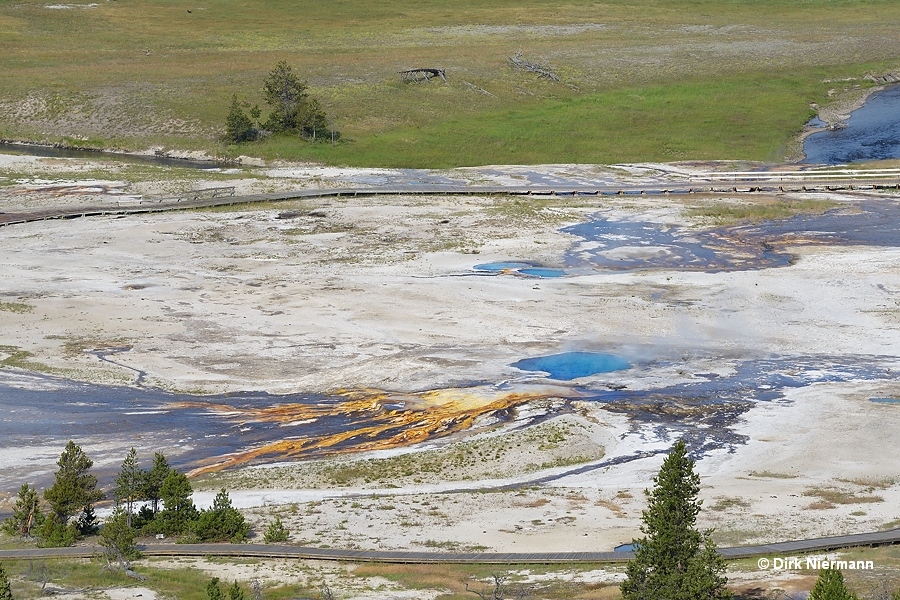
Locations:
column 872, row 133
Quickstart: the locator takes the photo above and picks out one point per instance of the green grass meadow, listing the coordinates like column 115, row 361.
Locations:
column 648, row 80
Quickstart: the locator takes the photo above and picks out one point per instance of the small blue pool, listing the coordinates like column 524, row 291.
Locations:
column 542, row 272
column 521, row 268
column 624, row 548
column 885, row 400
column 572, row 365
column 502, row 266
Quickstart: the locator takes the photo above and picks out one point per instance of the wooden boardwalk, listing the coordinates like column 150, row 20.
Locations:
column 740, row 183
column 779, row 549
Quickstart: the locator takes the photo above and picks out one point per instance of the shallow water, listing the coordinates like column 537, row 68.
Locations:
column 53, row 152
column 629, row 245
column 885, row 400
column 624, row 245
column 616, row 244
column 872, row 133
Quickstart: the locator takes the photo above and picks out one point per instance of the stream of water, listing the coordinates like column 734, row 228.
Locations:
column 872, row 133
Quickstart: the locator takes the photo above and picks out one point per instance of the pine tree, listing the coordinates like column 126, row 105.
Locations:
column 706, row 574
column 5, row 590
column 312, row 122
column 293, row 110
column 221, row 522
column 830, row 586
column 179, row 509
column 238, row 126
column 117, row 539
column 276, row 532
column 287, row 96
column 27, row 515
column 153, row 480
column 53, row 534
column 674, row 561
column 213, row 591
column 129, row 484
column 74, row 490
column 87, row 522
column 235, row 592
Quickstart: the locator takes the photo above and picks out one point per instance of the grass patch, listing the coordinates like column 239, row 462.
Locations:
column 871, row 483
column 611, row 506
column 16, row 307
column 90, row 577
column 460, row 462
column 890, row 525
column 173, row 178
column 772, row 475
column 18, row 359
column 834, row 496
column 724, row 503
column 736, row 537
column 539, row 502
column 547, row 445
column 452, row 579
column 78, row 345
column 751, row 117
column 755, row 212
column 451, row 546
column 660, row 80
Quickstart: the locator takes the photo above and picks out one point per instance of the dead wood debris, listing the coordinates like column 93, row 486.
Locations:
column 519, row 62
column 417, row 75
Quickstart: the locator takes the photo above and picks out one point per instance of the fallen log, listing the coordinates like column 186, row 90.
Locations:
column 520, row 63
column 417, row 75
column 135, row 575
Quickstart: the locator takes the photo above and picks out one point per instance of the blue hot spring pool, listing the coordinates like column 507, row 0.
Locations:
column 503, row 266
column 572, row 365
column 542, row 272
column 523, row 268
